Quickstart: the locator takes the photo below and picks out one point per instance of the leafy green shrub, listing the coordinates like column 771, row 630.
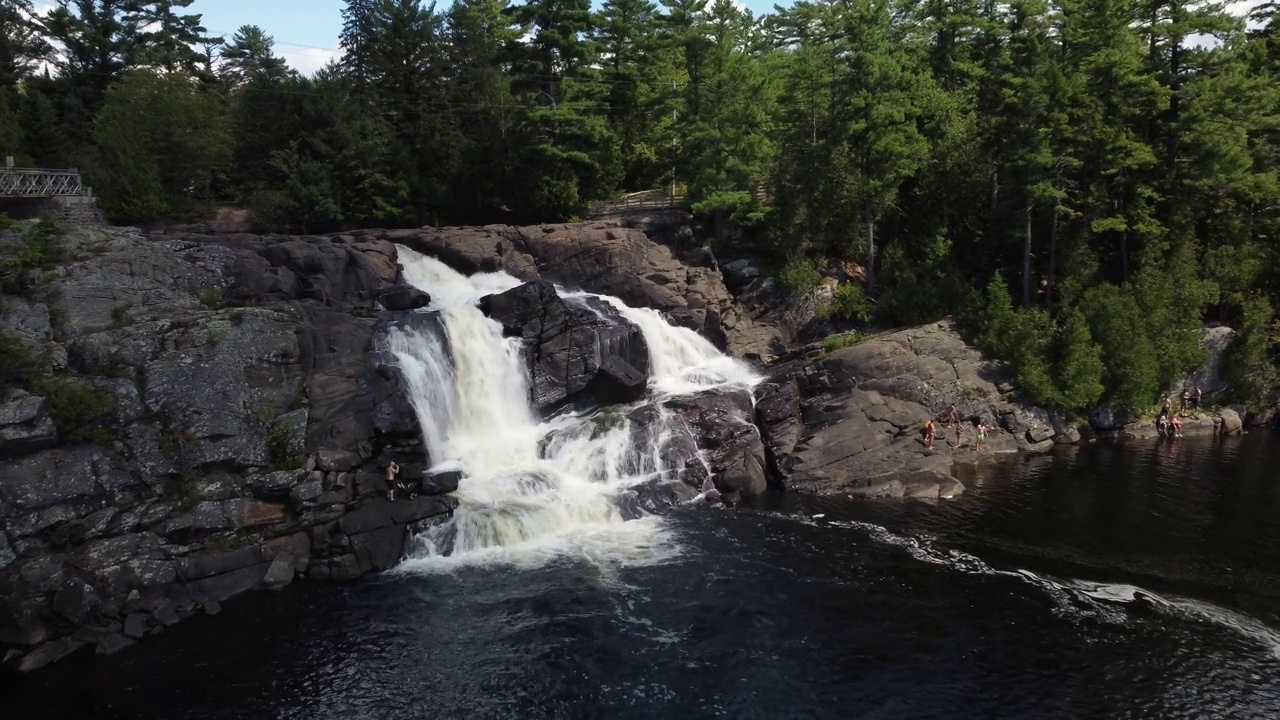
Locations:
column 801, row 276
column 17, row 362
column 1248, row 364
column 850, row 303
column 42, row 248
column 279, row 436
column 211, row 298
column 78, row 410
column 119, row 315
column 839, row 341
column 184, row 490
column 67, row 536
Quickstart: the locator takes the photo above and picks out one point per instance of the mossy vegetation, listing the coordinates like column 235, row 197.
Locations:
column 42, row 248
column 279, row 437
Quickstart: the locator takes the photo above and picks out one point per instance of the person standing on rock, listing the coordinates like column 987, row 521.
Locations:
column 953, row 420
column 392, row 470
column 982, row 436
column 930, row 433
column 1199, row 398
column 1186, row 398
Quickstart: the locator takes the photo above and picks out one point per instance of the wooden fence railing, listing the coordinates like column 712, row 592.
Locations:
column 637, row 201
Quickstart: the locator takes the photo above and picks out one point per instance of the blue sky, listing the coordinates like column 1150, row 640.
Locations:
column 305, row 31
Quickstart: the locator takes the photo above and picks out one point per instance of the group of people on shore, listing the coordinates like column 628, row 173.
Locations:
column 953, row 421
column 1169, row 423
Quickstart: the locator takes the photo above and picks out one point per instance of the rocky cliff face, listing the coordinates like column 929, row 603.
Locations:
column 193, row 417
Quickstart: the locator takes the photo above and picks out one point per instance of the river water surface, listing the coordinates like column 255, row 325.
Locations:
column 1111, row 581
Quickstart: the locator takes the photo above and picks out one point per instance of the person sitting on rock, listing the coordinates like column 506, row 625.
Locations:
column 392, row 470
column 1162, row 424
column 1175, row 428
column 930, row 433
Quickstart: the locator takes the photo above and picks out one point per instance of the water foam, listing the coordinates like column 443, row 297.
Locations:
column 533, row 490
column 1103, row 602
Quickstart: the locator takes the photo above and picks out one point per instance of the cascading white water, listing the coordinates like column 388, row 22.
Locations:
column 533, row 490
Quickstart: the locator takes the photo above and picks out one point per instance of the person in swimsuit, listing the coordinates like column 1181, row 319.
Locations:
column 1176, row 429
column 1197, row 399
column 930, row 433
column 392, row 470
column 982, row 435
column 1186, row 398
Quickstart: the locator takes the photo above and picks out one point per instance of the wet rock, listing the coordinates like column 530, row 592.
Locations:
column 279, row 572
column 441, row 483
column 203, row 565
column 228, row 585
column 113, row 643
column 76, row 601
column 25, row 425
column 166, row 615
column 567, row 341
column 616, row 382
column 1229, row 422
column 212, row 607
column 377, row 513
column 408, row 298
column 50, row 652
column 723, row 426
column 135, row 626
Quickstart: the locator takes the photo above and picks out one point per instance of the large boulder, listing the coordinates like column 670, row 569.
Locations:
column 722, row 423
column 571, row 345
column 851, row 422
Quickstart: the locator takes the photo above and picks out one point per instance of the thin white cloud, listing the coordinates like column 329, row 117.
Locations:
column 306, row 60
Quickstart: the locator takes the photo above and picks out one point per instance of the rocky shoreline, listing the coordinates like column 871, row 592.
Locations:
column 205, row 414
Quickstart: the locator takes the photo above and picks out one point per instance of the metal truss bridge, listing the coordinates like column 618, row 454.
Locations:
column 40, row 183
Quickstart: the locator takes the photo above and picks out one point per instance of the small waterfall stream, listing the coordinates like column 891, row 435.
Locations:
column 535, row 489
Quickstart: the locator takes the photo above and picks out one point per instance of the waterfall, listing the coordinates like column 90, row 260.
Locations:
column 534, row 490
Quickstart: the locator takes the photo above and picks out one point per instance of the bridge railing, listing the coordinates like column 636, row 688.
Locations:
column 41, row 182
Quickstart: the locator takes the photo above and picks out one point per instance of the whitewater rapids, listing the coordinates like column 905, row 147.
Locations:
column 535, row 490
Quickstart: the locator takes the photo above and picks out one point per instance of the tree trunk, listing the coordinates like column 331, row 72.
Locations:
column 1026, row 260
column 869, row 214
column 1053, row 258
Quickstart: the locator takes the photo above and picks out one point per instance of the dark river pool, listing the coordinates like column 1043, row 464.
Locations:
column 1115, row 581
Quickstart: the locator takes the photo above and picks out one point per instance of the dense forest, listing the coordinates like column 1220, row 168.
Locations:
column 1082, row 183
